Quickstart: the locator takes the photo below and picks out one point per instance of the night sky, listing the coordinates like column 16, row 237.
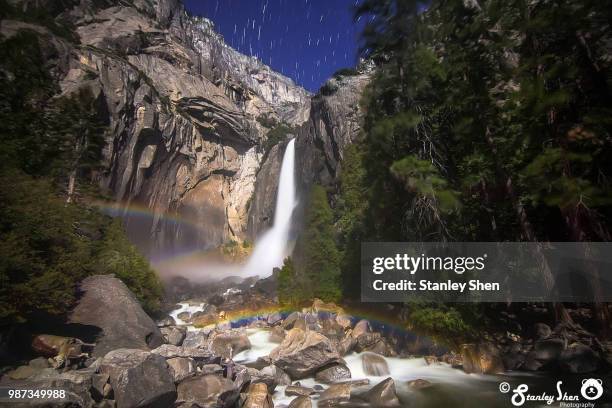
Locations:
column 306, row 40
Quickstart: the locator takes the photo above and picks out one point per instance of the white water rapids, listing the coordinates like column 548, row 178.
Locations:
column 450, row 387
column 271, row 248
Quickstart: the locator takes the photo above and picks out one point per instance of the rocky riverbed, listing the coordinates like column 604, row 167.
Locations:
column 210, row 352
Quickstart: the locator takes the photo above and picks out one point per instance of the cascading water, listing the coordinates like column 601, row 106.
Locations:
column 271, row 248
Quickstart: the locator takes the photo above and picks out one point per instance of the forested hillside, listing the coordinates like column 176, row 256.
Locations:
column 50, row 236
column 485, row 121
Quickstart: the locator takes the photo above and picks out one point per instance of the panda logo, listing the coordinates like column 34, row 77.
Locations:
column 591, row 388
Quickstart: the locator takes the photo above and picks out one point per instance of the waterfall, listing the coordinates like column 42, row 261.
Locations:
column 271, row 248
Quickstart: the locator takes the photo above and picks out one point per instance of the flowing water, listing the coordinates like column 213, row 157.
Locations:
column 272, row 247
column 448, row 386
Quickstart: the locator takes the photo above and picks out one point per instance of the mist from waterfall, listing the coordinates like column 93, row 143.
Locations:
column 271, row 249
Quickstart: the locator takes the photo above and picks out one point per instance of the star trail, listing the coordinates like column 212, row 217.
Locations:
column 306, row 40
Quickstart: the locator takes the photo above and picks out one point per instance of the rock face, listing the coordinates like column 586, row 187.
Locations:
column 139, row 378
column 107, row 304
column 186, row 113
column 302, row 353
column 334, row 123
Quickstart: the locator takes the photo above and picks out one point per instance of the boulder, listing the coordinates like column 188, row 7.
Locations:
column 300, row 402
column 347, row 344
column 332, row 374
column 335, row 395
column 173, row 335
column 374, row 364
column 139, row 378
column 207, row 391
column 76, row 384
column 228, row 343
column 362, row 327
column 291, row 320
column 39, row 363
column 418, row 384
column 274, row 318
column 211, row 369
column 277, row 334
column 196, row 339
column 544, row 353
column 201, row 319
column 184, row 316
column 199, row 355
column 481, row 358
column 258, row 397
column 298, row 390
column 579, row 359
column 99, row 389
column 383, row 394
column 344, row 321
column 274, row 375
column 182, row 367
column 106, row 303
column 22, row 372
column 303, row 353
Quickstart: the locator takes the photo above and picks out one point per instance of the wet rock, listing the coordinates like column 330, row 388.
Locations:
column 182, row 367
column 300, row 402
column 166, row 321
column 374, row 343
column 579, row 359
column 335, row 395
column 228, row 343
column 258, row 397
column 106, row 303
column 298, row 390
column 383, row 394
column 418, row 384
column 209, row 391
column 303, row 353
column 335, row 373
column 139, row 378
column 481, row 358
column 174, row 335
column 184, row 316
column 374, row 364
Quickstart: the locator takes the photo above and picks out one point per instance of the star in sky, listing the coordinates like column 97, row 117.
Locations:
column 306, row 40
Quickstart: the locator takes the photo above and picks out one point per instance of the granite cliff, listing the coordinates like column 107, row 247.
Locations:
column 188, row 119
